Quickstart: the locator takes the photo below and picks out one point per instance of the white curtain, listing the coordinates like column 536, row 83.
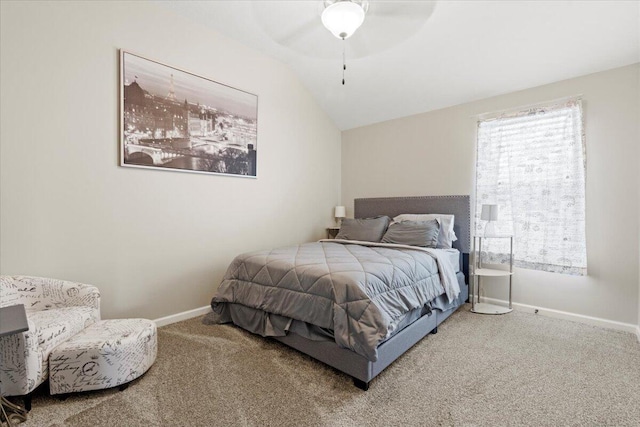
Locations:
column 532, row 165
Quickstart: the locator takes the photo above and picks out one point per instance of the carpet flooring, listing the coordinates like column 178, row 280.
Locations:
column 516, row 369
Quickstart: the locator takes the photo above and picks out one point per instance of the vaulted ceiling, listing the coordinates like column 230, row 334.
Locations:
column 410, row 57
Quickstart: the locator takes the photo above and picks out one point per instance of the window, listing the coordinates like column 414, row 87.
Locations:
column 532, row 165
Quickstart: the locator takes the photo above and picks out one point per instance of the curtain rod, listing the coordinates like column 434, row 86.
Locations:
column 494, row 114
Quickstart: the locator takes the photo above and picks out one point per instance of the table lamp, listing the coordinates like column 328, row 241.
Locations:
column 339, row 213
column 489, row 214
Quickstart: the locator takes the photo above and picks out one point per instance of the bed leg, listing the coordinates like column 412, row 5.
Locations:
column 435, row 330
column 361, row 384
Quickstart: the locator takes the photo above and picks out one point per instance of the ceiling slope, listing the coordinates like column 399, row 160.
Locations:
column 460, row 51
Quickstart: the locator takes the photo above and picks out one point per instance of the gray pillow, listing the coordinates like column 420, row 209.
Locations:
column 413, row 233
column 365, row 229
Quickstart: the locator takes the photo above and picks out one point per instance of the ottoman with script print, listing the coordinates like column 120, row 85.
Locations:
column 107, row 354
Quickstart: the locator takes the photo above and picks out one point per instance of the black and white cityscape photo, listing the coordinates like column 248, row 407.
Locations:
column 176, row 120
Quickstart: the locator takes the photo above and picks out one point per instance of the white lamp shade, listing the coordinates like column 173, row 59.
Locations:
column 339, row 212
column 343, row 18
column 489, row 213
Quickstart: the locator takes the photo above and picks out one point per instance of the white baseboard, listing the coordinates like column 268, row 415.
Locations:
column 595, row 321
column 178, row 317
column 609, row 324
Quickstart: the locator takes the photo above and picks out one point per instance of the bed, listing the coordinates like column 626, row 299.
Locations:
column 302, row 295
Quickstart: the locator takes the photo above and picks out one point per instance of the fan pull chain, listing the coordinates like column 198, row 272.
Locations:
column 344, row 61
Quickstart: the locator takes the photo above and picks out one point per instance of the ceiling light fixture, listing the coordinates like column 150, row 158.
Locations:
column 343, row 18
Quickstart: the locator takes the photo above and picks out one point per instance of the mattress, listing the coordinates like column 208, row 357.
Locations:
column 360, row 291
column 259, row 321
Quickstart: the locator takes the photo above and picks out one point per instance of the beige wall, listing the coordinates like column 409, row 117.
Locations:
column 434, row 153
column 154, row 242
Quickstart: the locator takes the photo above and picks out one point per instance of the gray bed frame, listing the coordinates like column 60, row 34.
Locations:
column 357, row 366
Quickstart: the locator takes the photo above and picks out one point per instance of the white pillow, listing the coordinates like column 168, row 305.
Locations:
column 446, row 236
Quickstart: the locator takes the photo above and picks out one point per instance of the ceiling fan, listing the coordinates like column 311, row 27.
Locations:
column 300, row 25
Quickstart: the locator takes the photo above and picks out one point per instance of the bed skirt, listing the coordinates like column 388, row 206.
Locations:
column 358, row 366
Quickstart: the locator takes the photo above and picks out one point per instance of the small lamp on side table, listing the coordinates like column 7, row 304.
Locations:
column 339, row 213
column 489, row 214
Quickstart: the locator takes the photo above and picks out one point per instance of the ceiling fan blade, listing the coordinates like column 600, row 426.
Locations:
column 388, row 22
column 297, row 34
column 396, row 9
column 288, row 22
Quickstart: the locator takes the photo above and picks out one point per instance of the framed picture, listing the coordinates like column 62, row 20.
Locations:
column 171, row 119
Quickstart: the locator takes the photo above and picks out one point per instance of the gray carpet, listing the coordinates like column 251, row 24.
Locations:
column 516, row 369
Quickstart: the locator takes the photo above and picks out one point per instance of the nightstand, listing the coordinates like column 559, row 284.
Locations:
column 479, row 271
column 332, row 232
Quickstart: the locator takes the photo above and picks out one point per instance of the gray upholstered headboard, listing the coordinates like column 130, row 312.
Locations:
column 459, row 206
column 392, row 206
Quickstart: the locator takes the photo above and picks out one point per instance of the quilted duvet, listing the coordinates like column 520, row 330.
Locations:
column 357, row 290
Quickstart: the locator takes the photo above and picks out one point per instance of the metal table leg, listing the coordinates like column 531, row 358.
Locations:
column 472, row 270
column 12, row 413
column 510, row 267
